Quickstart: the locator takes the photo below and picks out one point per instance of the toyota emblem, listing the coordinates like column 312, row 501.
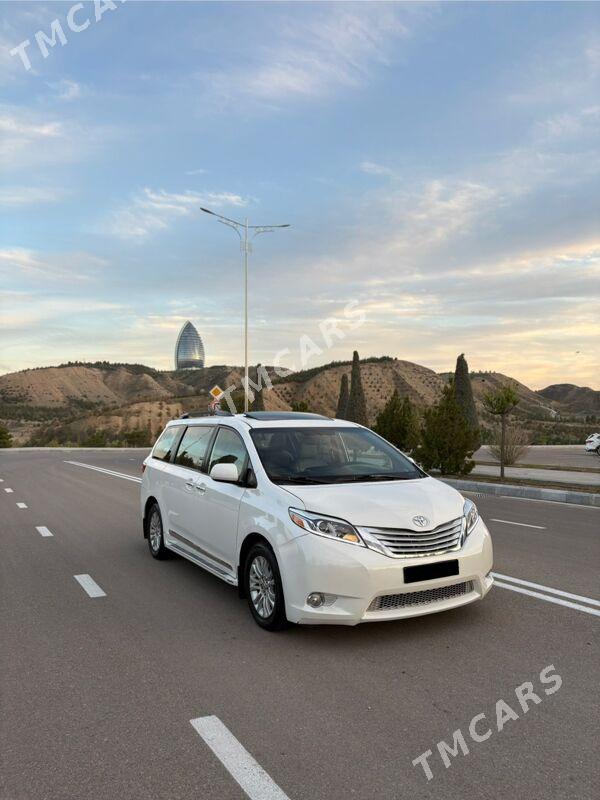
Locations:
column 420, row 521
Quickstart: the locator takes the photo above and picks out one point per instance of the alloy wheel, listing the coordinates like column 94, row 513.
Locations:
column 261, row 582
column 155, row 531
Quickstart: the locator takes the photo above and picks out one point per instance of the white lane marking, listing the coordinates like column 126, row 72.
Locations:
column 548, row 598
column 1, row 480
column 43, row 531
column 89, row 585
column 253, row 779
column 8, row 490
column 522, row 524
column 111, row 472
column 21, row 505
column 558, row 592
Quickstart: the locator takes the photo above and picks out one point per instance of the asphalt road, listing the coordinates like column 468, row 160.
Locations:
column 98, row 693
column 564, row 456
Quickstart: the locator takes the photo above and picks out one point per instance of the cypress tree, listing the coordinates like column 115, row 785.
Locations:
column 258, row 403
column 357, row 406
column 464, row 393
column 342, row 406
column 447, row 440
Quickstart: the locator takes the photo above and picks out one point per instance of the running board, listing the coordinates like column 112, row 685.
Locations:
column 209, row 566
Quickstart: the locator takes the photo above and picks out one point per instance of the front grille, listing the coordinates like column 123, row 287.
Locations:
column 389, row 602
column 407, row 542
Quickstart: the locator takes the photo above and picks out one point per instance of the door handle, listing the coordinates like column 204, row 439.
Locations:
column 190, row 484
column 201, row 487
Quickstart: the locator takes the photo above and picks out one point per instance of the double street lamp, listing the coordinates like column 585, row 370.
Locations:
column 246, row 233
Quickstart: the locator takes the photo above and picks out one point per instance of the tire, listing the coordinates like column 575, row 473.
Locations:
column 263, row 588
column 156, row 542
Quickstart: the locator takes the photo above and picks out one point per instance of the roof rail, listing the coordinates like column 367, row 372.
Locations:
column 194, row 414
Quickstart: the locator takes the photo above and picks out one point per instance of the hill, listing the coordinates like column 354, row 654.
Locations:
column 104, row 403
column 573, row 399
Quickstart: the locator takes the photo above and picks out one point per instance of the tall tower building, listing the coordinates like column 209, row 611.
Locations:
column 189, row 350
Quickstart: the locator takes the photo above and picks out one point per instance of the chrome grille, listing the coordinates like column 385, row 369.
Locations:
column 415, row 543
column 388, row 602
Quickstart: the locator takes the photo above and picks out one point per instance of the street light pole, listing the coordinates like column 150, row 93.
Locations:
column 242, row 229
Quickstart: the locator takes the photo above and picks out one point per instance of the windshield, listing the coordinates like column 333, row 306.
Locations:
column 330, row 455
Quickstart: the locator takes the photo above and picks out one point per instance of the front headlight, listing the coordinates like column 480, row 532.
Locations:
column 330, row 527
column 471, row 516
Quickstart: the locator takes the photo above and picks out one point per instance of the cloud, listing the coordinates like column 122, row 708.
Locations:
column 17, row 196
column 371, row 168
column 334, row 48
column 153, row 210
column 26, row 263
column 67, row 90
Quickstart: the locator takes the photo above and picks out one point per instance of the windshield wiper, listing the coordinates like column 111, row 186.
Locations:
column 297, row 479
column 375, row 476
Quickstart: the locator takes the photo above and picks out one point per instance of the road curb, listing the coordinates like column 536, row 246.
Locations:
column 529, row 492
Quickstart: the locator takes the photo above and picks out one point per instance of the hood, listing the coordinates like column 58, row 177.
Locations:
column 385, row 504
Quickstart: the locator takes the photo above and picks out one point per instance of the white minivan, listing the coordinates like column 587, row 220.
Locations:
column 315, row 520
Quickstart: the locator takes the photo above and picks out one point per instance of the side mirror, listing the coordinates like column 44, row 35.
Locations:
column 227, row 473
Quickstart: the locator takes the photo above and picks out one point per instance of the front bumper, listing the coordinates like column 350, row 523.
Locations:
column 352, row 577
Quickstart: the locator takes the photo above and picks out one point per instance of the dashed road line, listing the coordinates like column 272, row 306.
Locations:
column 89, row 585
column 547, row 593
column 242, row 767
column 9, row 491
column 21, row 505
column 43, row 530
column 113, row 473
column 521, row 524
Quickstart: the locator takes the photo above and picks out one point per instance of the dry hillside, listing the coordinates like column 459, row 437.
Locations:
column 120, row 403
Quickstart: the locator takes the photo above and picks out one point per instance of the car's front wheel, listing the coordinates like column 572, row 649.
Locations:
column 263, row 588
column 154, row 530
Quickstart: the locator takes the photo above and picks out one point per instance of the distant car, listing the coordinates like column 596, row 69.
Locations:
column 592, row 443
column 315, row 520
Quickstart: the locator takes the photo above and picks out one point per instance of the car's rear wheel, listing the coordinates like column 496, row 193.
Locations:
column 154, row 529
column 263, row 588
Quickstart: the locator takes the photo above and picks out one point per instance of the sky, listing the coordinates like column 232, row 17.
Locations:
column 438, row 164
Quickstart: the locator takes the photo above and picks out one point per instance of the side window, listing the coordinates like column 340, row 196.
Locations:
column 229, row 449
column 193, row 446
column 166, row 442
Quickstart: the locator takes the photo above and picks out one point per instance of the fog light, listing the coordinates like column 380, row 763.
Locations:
column 315, row 599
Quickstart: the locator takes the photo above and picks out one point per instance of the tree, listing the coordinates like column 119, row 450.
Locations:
column 342, row 406
column 500, row 404
column 516, row 444
column 464, row 393
column 5, row 437
column 301, row 407
column 357, row 406
column 398, row 423
column 258, row 402
column 447, row 441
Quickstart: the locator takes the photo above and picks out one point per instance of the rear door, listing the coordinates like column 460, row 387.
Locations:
column 183, row 492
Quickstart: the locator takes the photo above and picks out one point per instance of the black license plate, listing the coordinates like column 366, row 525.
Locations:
column 429, row 572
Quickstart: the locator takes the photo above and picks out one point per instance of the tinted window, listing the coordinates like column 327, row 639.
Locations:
column 330, row 455
column 193, row 447
column 166, row 442
column 229, row 449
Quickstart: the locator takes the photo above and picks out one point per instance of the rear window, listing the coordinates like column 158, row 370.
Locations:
column 166, row 442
